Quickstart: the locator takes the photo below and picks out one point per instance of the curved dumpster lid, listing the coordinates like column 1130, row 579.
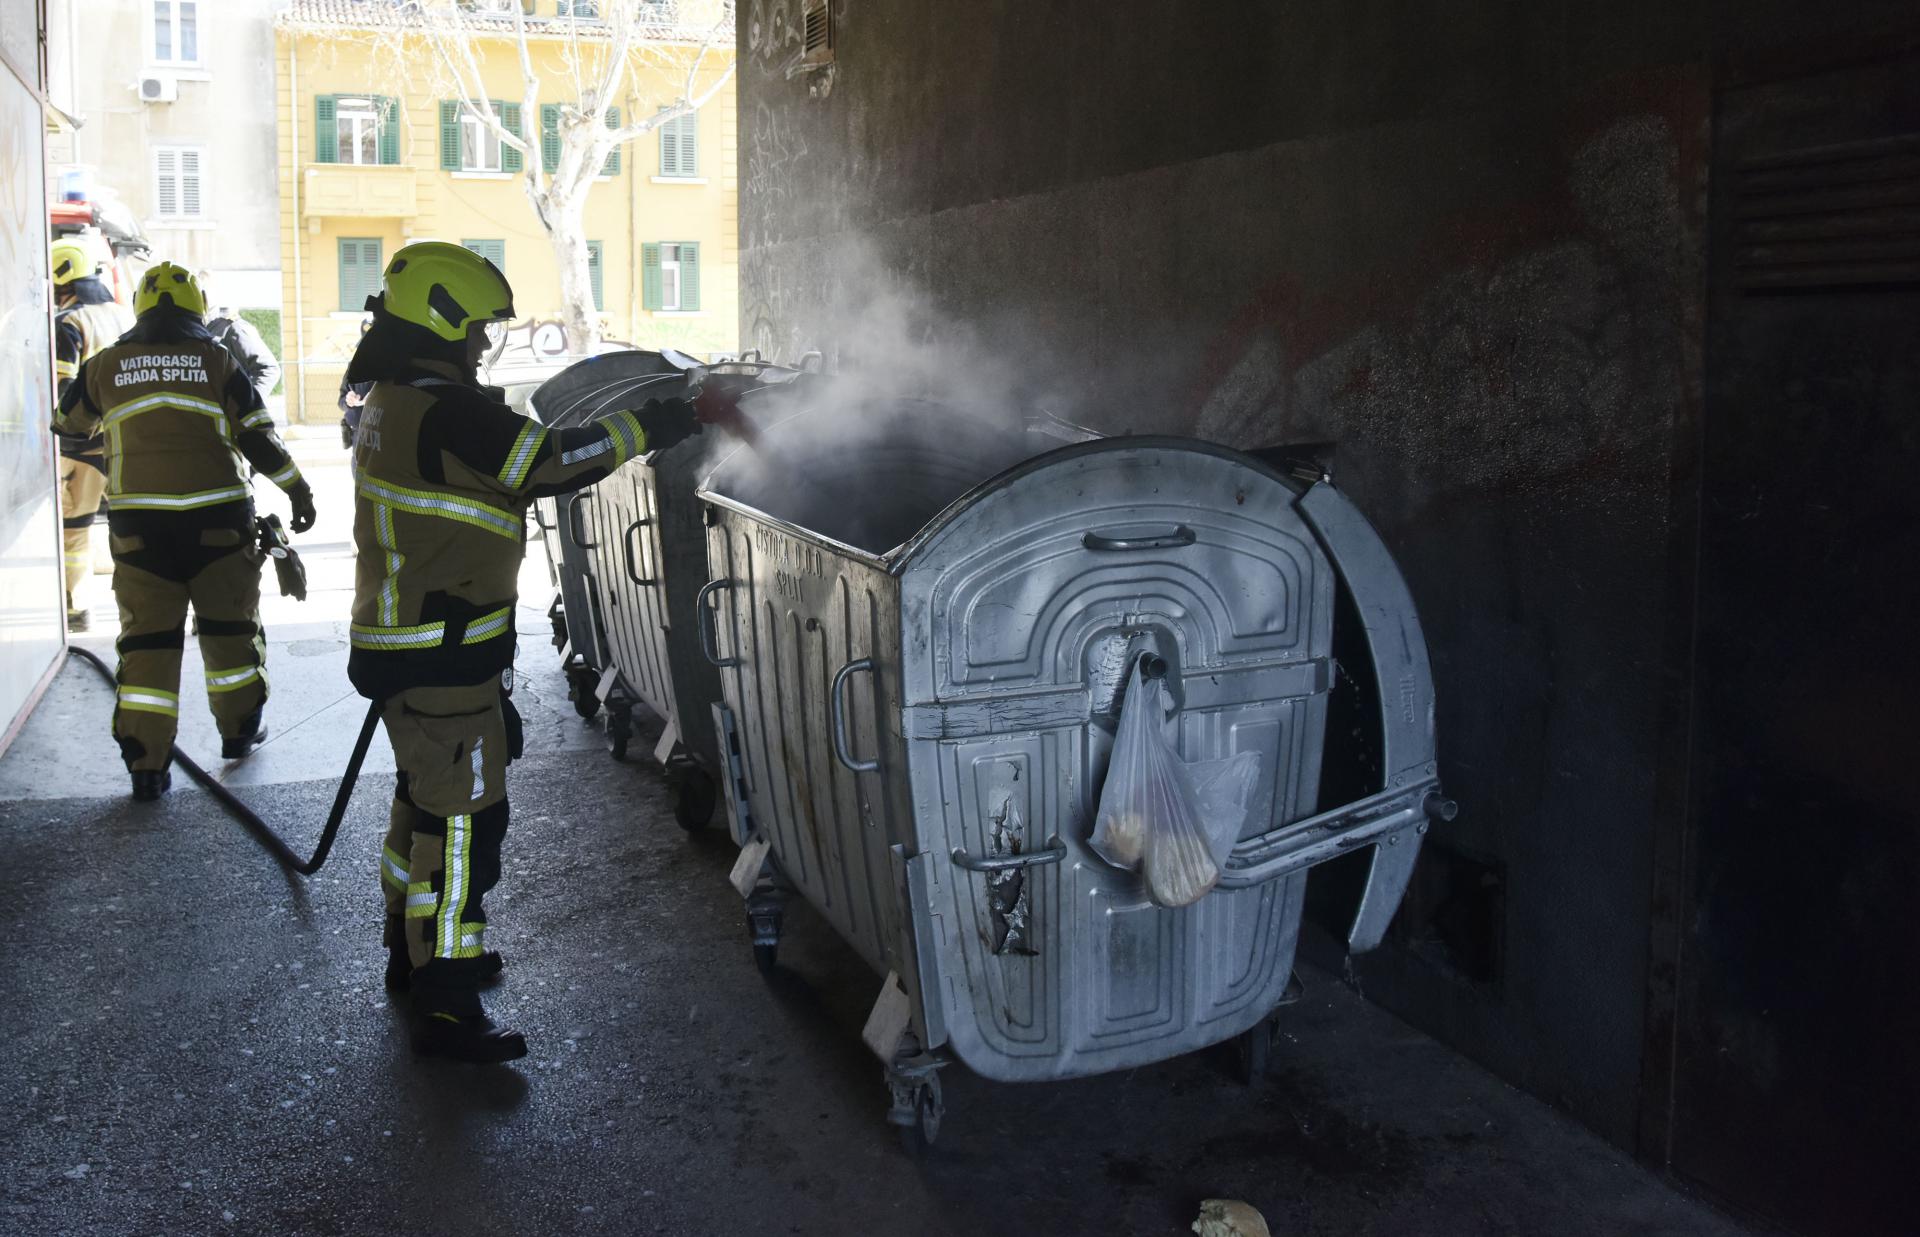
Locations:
column 571, row 396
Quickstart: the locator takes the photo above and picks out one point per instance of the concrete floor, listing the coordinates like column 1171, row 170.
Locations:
column 200, row 1044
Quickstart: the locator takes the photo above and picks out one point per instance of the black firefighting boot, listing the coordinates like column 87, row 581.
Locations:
column 252, row 735
column 150, row 784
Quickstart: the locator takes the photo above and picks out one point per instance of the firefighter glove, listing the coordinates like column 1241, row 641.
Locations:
column 666, row 423
column 303, row 513
column 346, row 434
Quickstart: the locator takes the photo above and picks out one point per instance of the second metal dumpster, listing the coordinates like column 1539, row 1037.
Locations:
column 575, row 396
column 923, row 621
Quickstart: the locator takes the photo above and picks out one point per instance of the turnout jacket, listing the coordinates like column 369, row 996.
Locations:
column 444, row 474
column 81, row 331
column 182, row 423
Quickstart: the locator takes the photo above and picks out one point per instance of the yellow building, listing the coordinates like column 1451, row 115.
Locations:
column 375, row 153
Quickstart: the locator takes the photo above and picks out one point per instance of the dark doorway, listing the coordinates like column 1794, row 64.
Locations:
column 1795, row 1057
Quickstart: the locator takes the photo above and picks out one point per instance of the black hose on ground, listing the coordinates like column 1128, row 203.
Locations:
column 262, row 832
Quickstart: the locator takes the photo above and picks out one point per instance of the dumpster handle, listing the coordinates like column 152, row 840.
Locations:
column 709, row 641
column 841, row 749
column 576, row 527
column 540, row 519
column 812, row 362
column 1056, row 851
column 1181, row 535
column 627, row 545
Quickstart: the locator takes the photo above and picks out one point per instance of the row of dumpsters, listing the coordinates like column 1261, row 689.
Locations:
column 890, row 637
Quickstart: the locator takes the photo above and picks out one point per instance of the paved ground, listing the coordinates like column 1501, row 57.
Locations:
column 200, row 1044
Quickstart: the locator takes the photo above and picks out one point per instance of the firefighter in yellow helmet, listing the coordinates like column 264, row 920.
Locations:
column 86, row 319
column 445, row 472
column 182, row 425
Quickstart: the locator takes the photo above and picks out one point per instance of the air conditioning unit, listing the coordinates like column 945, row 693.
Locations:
column 159, row 89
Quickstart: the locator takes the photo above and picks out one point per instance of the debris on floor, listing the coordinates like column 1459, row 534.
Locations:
column 1229, row 1217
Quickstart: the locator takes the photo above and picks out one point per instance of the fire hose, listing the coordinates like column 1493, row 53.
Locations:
column 263, row 833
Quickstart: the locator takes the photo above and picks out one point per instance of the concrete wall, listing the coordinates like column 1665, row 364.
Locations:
column 1465, row 241
column 99, row 51
column 31, row 615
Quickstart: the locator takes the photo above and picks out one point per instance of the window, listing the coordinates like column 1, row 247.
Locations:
column 469, row 144
column 585, row 10
column 358, row 129
column 176, row 31
column 359, row 271
column 594, row 272
column 550, row 139
column 493, row 251
column 680, row 146
column 670, row 276
column 176, row 181
column 497, row 6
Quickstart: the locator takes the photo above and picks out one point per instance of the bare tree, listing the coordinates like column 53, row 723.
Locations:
column 599, row 57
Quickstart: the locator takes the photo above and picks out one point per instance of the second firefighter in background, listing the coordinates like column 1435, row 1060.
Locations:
column 181, row 425
column 86, row 320
column 445, row 472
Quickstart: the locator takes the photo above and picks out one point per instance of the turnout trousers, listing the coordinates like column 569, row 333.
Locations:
column 81, row 484
column 449, row 818
column 159, row 570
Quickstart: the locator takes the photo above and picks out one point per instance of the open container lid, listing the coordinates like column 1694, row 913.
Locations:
column 572, row 396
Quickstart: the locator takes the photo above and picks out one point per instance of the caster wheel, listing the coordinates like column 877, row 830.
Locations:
column 581, row 686
column 917, row 1137
column 619, row 730
column 1253, row 1052
column 766, row 957
column 694, row 797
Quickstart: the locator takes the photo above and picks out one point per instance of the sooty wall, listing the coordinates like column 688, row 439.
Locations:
column 1465, row 241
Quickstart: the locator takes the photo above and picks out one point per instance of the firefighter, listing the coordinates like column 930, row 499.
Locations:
column 86, row 319
column 182, row 424
column 242, row 339
column 445, row 472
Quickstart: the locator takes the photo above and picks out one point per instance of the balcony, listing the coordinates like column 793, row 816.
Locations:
column 359, row 191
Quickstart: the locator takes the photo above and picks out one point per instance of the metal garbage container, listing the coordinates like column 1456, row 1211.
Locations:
column 642, row 560
column 576, row 396
column 923, row 621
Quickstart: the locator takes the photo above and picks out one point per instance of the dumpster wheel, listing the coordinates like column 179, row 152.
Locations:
column 918, row 1109
column 1253, row 1051
column 695, row 795
column 583, row 689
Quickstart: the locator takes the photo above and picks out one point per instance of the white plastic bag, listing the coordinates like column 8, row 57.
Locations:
column 1172, row 821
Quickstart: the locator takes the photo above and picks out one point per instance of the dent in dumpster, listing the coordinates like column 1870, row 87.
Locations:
column 1007, row 889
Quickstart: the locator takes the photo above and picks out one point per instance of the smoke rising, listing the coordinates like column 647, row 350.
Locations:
column 911, row 412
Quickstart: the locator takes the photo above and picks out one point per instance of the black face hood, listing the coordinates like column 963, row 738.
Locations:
column 392, row 350
column 163, row 324
column 88, row 291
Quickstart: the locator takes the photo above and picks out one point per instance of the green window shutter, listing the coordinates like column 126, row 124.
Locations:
column 326, row 130
column 595, row 271
column 494, row 251
column 689, row 144
column 510, row 160
column 689, row 275
column 650, row 275
column 449, row 135
column 612, row 165
column 388, row 109
column 669, row 148
column 550, row 135
column 359, row 272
